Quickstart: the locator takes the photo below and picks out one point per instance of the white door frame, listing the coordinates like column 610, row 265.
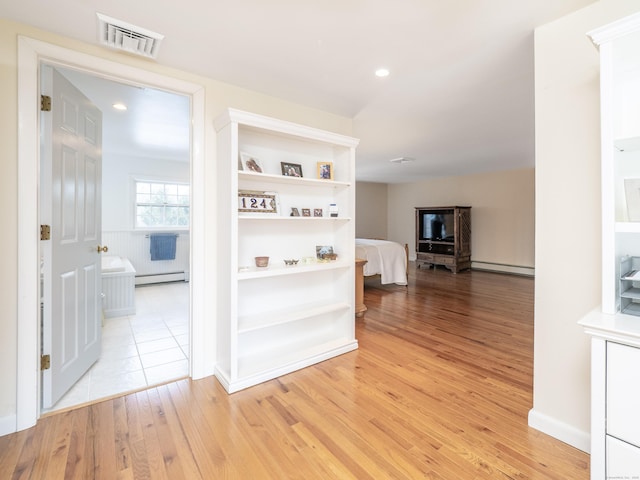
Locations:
column 30, row 54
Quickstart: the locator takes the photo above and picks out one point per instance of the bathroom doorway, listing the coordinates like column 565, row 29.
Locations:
column 146, row 343
column 202, row 336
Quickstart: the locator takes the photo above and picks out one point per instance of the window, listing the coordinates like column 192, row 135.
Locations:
column 162, row 204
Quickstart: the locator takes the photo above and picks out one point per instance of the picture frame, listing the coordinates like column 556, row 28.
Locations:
column 306, row 212
column 250, row 163
column 291, row 169
column 252, row 202
column 325, row 252
column 295, row 212
column 632, row 194
column 325, row 170
column 317, row 212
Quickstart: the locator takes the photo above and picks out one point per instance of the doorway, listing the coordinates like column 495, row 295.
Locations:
column 30, row 53
column 145, row 330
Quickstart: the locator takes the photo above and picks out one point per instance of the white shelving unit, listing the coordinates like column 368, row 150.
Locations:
column 277, row 319
column 615, row 328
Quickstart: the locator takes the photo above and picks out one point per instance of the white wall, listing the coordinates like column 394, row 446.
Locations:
column 502, row 214
column 568, row 248
column 371, row 210
column 118, row 172
column 218, row 96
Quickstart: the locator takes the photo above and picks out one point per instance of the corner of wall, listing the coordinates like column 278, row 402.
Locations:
column 8, row 425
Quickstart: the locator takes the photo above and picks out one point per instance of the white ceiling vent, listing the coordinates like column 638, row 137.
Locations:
column 129, row 38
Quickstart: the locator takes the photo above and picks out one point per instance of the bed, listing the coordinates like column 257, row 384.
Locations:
column 385, row 258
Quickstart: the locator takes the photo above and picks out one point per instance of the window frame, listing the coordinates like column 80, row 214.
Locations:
column 165, row 181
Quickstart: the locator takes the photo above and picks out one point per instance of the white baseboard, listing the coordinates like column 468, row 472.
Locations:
column 503, row 268
column 8, row 425
column 562, row 431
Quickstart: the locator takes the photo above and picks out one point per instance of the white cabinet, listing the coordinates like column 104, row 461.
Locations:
column 615, row 394
column 622, row 411
column 622, row 460
column 615, row 343
column 276, row 319
column 623, row 393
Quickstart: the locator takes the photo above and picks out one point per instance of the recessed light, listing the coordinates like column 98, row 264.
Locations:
column 119, row 106
column 382, row 72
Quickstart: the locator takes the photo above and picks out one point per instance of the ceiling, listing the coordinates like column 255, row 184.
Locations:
column 459, row 99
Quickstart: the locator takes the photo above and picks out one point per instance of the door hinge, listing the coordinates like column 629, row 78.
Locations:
column 45, row 232
column 45, row 103
column 45, row 362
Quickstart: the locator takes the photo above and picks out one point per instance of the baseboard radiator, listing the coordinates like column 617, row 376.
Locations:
column 503, row 268
column 162, row 278
column 497, row 267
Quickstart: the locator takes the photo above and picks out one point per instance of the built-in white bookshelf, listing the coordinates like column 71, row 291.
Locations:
column 615, row 327
column 276, row 319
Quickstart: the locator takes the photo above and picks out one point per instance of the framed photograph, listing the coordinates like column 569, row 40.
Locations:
column 306, row 212
column 632, row 194
column 257, row 202
column 291, row 169
column 295, row 212
column 250, row 163
column 317, row 212
column 325, row 170
column 324, row 252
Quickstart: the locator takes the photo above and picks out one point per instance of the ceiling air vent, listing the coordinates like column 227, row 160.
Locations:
column 129, row 38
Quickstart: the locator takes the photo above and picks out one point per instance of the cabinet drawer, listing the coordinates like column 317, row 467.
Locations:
column 446, row 260
column 435, row 258
column 623, row 459
column 623, row 393
column 426, row 257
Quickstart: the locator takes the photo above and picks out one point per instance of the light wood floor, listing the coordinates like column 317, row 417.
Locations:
column 440, row 388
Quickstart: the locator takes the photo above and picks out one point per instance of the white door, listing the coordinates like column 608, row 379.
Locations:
column 71, row 176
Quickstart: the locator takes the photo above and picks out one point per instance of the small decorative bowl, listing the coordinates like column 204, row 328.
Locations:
column 330, row 256
column 262, row 261
column 290, row 262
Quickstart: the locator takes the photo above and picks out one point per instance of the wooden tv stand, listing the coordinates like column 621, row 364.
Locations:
column 454, row 252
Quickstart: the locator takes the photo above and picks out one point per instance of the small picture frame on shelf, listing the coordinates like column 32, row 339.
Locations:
column 250, row 163
column 306, row 212
column 317, row 212
column 291, row 169
column 295, row 212
column 325, row 252
column 632, row 194
column 325, row 170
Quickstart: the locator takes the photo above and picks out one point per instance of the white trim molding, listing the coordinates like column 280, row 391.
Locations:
column 614, row 30
column 562, row 431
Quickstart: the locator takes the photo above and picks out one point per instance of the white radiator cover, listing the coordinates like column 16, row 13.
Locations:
column 118, row 289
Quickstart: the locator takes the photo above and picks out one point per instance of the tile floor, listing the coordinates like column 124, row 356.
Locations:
column 149, row 348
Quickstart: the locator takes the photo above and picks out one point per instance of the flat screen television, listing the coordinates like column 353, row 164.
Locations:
column 436, row 226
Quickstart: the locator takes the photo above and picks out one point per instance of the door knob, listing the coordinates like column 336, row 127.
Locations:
column 104, row 249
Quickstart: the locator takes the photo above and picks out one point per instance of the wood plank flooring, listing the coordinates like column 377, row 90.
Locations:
column 440, row 388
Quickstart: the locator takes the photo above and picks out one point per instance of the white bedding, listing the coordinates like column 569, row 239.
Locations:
column 384, row 258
